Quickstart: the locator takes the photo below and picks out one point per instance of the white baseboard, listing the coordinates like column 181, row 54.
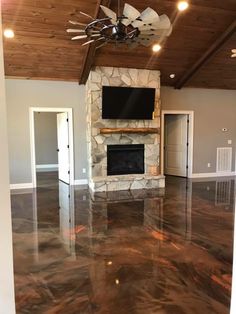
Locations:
column 212, row 175
column 21, row 186
column 81, row 182
column 48, row 167
column 30, row 185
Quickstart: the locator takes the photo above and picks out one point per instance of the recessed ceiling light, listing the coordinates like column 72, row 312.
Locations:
column 233, row 53
column 172, row 76
column 9, row 33
column 182, row 5
column 156, row 48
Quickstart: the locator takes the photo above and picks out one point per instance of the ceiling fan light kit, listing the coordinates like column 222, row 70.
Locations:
column 131, row 27
column 233, row 53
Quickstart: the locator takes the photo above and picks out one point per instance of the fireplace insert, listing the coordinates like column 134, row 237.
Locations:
column 125, row 159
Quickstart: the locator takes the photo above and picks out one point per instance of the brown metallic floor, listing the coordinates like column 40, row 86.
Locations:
column 146, row 252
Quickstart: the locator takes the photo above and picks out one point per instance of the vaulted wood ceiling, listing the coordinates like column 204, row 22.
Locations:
column 42, row 49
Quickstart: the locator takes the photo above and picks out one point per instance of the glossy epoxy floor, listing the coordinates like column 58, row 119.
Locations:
column 146, row 252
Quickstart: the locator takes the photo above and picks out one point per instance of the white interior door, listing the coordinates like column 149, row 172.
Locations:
column 176, row 144
column 63, row 147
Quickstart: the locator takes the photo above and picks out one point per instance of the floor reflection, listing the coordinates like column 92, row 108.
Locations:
column 157, row 251
column 67, row 217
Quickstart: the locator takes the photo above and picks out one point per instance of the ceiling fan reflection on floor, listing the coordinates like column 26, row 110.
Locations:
column 131, row 27
column 233, row 53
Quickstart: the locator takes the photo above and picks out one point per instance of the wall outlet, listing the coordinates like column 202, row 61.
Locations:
column 84, row 198
column 84, row 170
column 209, row 165
column 230, row 142
column 208, row 188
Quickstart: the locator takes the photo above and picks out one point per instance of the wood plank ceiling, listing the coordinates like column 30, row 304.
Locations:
column 42, row 49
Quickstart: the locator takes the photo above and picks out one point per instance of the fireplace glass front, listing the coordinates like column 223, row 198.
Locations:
column 125, row 159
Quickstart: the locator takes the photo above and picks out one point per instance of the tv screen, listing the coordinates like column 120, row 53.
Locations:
column 128, row 103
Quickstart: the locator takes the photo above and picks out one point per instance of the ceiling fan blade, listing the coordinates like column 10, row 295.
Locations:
column 169, row 31
column 93, row 40
column 77, row 23
column 72, row 30
column 164, row 22
column 148, row 16
column 79, row 37
column 95, row 35
column 234, row 55
column 100, row 46
column 137, row 24
column 150, row 39
column 87, row 15
column 145, row 28
column 145, row 43
column 233, row 50
column 111, row 14
column 88, row 42
column 149, row 31
column 157, row 32
column 130, row 13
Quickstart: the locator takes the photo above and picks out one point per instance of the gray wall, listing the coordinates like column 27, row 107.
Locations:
column 45, row 124
column 23, row 94
column 213, row 110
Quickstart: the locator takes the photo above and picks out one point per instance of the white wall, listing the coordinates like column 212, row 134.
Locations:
column 7, row 301
column 213, row 110
column 23, row 94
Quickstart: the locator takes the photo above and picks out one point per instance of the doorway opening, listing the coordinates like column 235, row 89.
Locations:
column 177, row 143
column 51, row 138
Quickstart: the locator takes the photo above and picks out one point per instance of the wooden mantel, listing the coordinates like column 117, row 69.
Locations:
column 129, row 130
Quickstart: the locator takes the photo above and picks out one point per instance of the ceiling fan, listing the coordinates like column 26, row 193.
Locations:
column 130, row 27
column 233, row 53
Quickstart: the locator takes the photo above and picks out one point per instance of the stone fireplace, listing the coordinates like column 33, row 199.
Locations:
column 129, row 158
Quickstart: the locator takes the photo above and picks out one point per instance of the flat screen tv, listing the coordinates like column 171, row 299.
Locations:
column 128, row 103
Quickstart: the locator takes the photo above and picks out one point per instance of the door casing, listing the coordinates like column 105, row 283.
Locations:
column 32, row 110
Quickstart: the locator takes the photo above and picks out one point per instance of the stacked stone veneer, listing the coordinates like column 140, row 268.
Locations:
column 97, row 143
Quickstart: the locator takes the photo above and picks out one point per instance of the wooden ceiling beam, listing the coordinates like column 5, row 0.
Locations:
column 210, row 52
column 91, row 49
